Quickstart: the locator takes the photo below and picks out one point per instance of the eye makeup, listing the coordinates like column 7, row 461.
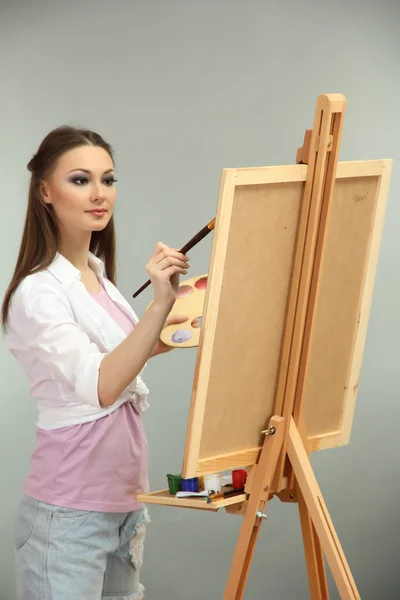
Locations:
column 83, row 179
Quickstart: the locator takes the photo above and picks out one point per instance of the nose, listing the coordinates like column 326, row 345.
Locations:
column 98, row 194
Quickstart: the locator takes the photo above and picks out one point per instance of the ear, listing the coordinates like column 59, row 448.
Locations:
column 45, row 192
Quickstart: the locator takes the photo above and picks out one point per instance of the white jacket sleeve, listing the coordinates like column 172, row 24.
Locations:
column 41, row 322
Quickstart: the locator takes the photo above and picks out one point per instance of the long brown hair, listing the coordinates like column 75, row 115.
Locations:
column 40, row 237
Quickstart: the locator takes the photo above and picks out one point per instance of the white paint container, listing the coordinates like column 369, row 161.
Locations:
column 212, row 483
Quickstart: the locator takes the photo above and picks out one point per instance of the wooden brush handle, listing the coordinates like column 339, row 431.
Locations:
column 190, row 244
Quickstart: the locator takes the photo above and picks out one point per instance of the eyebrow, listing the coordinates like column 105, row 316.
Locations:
column 86, row 171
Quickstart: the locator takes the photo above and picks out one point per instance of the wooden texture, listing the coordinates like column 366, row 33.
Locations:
column 285, row 319
column 316, row 202
column 312, row 546
column 250, row 529
column 164, row 498
column 245, row 308
column 338, row 305
column 190, row 304
column 303, row 153
column 320, row 517
column 313, row 553
column 352, row 252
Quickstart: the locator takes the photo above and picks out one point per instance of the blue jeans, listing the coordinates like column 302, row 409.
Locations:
column 63, row 553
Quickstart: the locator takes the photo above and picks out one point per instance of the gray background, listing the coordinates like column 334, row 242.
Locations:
column 183, row 89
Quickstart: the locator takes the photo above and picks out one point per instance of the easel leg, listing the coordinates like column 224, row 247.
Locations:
column 320, row 517
column 258, row 498
column 312, row 547
column 313, row 553
column 244, row 573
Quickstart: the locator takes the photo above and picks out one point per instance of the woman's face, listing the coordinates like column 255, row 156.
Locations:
column 81, row 189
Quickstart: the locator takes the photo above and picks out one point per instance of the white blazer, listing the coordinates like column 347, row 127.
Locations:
column 60, row 335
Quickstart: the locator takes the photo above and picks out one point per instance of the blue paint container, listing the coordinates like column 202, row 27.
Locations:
column 190, row 485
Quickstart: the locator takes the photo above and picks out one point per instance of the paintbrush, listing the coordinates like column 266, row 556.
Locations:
column 229, row 494
column 188, row 246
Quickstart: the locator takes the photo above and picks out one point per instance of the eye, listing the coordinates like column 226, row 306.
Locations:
column 79, row 180
column 109, row 180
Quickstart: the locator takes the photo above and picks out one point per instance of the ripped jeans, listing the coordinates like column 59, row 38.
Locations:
column 62, row 553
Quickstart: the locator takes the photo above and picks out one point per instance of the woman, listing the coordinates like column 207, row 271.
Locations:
column 79, row 530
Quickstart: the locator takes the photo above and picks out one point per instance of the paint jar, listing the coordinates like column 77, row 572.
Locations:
column 239, row 478
column 174, row 483
column 212, row 483
column 190, row 485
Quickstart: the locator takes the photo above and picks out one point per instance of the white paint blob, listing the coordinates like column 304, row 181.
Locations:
column 180, row 336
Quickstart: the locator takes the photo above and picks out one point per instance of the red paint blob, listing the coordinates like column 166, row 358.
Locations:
column 201, row 284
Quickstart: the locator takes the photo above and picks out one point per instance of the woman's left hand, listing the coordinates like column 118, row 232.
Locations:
column 160, row 347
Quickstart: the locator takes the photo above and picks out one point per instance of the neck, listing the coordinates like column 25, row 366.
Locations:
column 75, row 248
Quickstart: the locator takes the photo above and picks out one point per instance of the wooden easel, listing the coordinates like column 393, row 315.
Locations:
column 283, row 450
column 286, row 211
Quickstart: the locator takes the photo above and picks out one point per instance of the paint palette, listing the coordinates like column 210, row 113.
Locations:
column 189, row 301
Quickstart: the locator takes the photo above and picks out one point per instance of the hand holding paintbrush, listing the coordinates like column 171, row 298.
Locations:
column 188, row 246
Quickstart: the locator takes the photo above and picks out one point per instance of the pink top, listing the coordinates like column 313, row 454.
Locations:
column 95, row 466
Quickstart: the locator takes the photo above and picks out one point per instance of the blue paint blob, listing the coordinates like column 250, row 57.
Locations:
column 180, row 336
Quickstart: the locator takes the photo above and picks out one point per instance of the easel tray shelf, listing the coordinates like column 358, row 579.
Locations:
column 163, row 497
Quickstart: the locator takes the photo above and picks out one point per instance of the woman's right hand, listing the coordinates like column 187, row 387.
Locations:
column 164, row 269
